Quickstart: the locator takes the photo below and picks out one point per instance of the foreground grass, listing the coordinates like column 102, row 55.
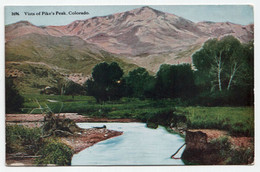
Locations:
column 236, row 120
column 20, row 139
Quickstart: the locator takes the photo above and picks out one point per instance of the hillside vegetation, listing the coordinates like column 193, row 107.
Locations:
column 37, row 61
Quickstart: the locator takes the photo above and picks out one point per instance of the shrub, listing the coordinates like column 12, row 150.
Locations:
column 221, row 144
column 242, row 156
column 54, row 152
column 161, row 116
column 73, row 88
column 23, row 139
column 230, row 155
column 20, row 138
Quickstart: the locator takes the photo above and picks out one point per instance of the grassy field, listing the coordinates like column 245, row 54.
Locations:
column 236, row 120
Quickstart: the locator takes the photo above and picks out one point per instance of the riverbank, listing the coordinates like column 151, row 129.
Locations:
column 236, row 146
column 80, row 140
column 36, row 120
column 217, row 147
column 88, row 137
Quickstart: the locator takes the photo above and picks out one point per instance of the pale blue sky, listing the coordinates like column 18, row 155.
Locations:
column 240, row 14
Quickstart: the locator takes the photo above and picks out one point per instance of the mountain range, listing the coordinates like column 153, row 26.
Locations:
column 141, row 37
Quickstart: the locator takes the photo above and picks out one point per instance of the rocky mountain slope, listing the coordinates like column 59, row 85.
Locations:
column 136, row 32
column 145, row 37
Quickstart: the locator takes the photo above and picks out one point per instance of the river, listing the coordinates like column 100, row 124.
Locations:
column 138, row 145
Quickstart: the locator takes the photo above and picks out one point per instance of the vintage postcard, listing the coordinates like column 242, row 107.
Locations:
column 164, row 85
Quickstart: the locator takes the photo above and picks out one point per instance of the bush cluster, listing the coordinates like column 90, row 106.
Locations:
column 20, row 138
column 54, row 152
column 230, row 155
column 28, row 140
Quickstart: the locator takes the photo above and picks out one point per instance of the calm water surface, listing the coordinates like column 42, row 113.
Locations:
column 138, row 145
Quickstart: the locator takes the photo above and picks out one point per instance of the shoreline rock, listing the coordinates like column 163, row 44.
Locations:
column 204, row 148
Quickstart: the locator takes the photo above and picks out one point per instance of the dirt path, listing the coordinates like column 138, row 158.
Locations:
column 36, row 119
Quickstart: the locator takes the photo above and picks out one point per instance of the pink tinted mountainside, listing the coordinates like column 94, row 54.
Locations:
column 144, row 36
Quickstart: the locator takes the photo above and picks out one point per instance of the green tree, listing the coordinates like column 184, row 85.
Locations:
column 218, row 61
column 225, row 72
column 243, row 85
column 164, row 81
column 175, row 81
column 13, row 100
column 106, row 83
column 138, row 82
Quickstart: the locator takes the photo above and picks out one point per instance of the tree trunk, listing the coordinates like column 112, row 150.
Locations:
column 232, row 76
column 219, row 81
column 219, row 72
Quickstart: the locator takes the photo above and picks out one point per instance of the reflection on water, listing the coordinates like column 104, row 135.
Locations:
column 138, row 145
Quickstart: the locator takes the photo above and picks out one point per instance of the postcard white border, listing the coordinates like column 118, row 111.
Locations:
column 255, row 3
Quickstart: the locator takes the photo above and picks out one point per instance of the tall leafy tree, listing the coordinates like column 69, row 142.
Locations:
column 175, row 81
column 138, row 82
column 243, row 84
column 218, row 61
column 164, row 81
column 106, row 83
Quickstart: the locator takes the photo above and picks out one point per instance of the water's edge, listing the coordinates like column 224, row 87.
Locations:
column 149, row 147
